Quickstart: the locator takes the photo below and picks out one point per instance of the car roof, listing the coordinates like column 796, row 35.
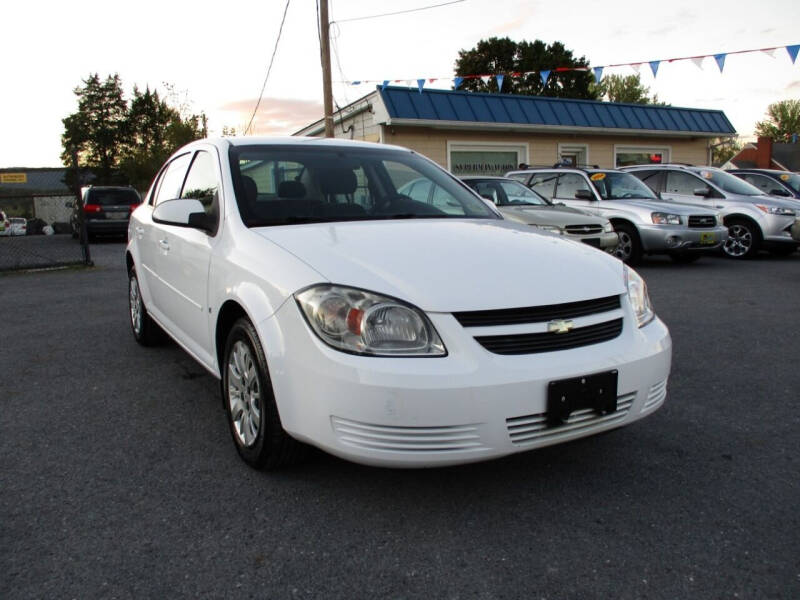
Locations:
column 299, row 141
column 763, row 171
column 485, row 177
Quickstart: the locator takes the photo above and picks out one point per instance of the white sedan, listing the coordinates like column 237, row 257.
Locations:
column 387, row 331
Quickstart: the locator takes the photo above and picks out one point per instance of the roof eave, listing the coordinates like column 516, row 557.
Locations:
column 535, row 128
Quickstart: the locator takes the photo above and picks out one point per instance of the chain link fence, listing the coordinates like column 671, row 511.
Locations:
column 47, row 239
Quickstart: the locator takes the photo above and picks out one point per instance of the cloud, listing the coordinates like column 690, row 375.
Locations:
column 275, row 116
column 510, row 26
column 793, row 87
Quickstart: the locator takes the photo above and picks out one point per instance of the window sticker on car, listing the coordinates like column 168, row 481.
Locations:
column 784, row 177
column 598, row 177
column 707, row 174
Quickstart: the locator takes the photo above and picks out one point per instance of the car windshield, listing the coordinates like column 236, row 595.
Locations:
column 729, row 183
column 281, row 185
column 507, row 193
column 613, row 185
column 791, row 180
column 113, row 197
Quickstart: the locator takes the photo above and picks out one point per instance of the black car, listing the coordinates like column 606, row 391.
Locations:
column 771, row 181
column 105, row 209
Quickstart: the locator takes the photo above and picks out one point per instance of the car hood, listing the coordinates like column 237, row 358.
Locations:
column 447, row 265
column 549, row 215
column 679, row 208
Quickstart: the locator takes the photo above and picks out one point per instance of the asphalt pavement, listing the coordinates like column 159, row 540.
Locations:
column 118, row 477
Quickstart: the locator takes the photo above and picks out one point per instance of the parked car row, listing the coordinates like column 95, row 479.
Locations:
column 682, row 211
column 12, row 225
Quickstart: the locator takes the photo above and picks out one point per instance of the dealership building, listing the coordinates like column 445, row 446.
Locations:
column 471, row 133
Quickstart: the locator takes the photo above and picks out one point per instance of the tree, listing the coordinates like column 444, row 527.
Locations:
column 724, row 149
column 783, row 121
column 122, row 143
column 503, row 56
column 97, row 131
column 618, row 88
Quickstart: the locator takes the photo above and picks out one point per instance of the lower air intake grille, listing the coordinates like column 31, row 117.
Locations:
column 534, row 428
column 533, row 343
column 448, row 438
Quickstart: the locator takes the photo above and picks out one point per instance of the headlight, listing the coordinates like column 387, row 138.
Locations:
column 608, row 227
column 361, row 322
column 550, row 228
column 660, row 218
column 637, row 293
column 776, row 210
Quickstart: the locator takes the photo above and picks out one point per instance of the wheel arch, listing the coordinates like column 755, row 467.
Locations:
column 230, row 312
column 728, row 219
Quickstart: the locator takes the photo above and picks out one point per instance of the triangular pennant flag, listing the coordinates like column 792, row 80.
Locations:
column 408, row 83
column 654, row 66
column 355, row 83
column 457, row 81
column 485, row 79
column 792, row 50
column 698, row 61
column 598, row 73
column 636, row 67
column 385, row 83
column 420, row 84
column 770, row 52
column 544, row 75
column 499, row 79
column 720, row 58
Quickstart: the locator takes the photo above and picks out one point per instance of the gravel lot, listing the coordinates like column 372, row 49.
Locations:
column 118, row 478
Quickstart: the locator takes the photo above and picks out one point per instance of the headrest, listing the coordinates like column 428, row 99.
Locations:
column 337, row 181
column 291, row 189
column 250, row 188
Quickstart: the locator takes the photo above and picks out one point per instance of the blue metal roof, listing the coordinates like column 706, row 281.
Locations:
column 472, row 107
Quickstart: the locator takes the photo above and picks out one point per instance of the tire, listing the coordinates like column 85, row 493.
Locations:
column 249, row 401
column 629, row 248
column 684, row 258
column 144, row 329
column 744, row 239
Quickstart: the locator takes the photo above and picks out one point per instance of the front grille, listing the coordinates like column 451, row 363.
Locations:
column 655, row 395
column 447, row 438
column 532, row 343
column 535, row 428
column 583, row 229
column 702, row 221
column 537, row 314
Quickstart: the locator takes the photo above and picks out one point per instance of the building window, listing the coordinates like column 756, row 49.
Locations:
column 640, row 155
column 484, row 159
column 573, row 154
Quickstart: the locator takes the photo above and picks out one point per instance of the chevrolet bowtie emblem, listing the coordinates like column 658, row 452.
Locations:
column 560, row 326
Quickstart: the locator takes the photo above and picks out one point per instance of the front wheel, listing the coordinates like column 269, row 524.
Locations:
column 250, row 403
column 744, row 239
column 629, row 248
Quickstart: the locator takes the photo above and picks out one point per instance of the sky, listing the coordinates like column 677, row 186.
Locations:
column 214, row 55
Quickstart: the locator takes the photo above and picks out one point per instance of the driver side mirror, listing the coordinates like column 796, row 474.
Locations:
column 704, row 192
column 584, row 195
column 182, row 212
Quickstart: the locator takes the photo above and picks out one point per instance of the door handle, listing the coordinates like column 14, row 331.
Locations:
column 139, row 232
column 164, row 245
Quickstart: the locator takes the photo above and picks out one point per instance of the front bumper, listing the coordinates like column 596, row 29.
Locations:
column 468, row 406
column 605, row 240
column 777, row 229
column 795, row 230
column 679, row 238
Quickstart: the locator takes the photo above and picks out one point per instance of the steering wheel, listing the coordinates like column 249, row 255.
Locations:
column 386, row 204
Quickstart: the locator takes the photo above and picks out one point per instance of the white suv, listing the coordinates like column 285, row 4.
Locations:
column 384, row 330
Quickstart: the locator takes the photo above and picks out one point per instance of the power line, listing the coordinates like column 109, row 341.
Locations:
column 271, row 60
column 399, row 12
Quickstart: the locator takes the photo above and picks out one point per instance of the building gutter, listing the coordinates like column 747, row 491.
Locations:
column 319, row 127
column 562, row 129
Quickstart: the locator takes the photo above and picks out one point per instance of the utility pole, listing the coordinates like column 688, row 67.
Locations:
column 325, row 55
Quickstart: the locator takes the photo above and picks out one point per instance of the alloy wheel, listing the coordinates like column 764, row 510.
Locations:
column 135, row 301
column 624, row 248
column 740, row 241
column 244, row 394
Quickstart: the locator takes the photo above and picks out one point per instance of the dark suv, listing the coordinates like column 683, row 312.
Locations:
column 771, row 181
column 106, row 210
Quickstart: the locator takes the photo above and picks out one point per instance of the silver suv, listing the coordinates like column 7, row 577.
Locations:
column 644, row 223
column 754, row 221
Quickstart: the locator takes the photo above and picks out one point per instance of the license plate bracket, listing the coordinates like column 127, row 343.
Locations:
column 597, row 391
column 707, row 239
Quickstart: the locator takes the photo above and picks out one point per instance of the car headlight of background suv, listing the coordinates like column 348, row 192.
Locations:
column 660, row 218
column 551, row 228
column 362, row 322
column 608, row 227
column 776, row 210
column 637, row 293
